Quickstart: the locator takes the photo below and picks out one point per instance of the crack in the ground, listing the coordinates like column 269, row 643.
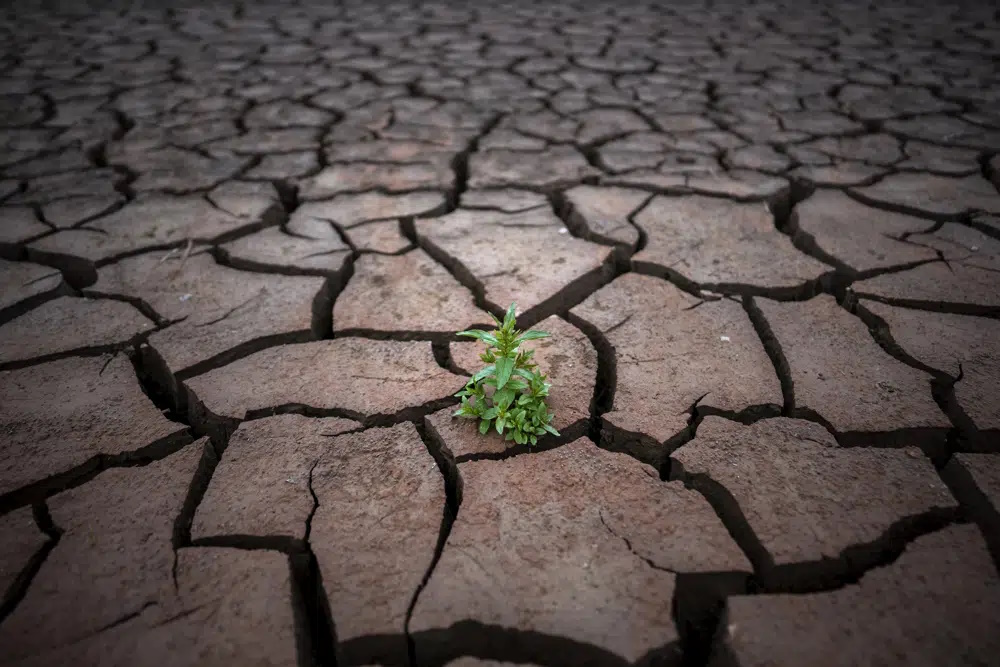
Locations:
column 772, row 346
column 203, row 421
column 225, row 258
column 577, row 225
column 823, row 575
column 441, row 349
column 966, row 435
column 24, row 306
column 316, row 632
column 975, row 504
column 81, row 272
column 931, row 440
column 952, row 307
column 235, row 309
column 578, row 290
column 892, row 207
column 730, row 513
column 181, row 534
column 285, row 544
column 546, row 442
column 18, row 588
column 436, row 338
column 38, row 491
column 136, row 302
column 628, row 545
column 606, row 381
column 244, row 350
column 441, row 646
column 854, row 561
column 456, row 269
column 452, row 480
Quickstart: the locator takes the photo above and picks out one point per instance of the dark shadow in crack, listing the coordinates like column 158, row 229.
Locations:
column 438, row 647
column 18, row 588
column 36, row 492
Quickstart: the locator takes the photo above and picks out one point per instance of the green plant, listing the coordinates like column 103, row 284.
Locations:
column 509, row 393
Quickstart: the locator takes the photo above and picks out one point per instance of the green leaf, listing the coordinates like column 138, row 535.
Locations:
column 501, row 422
column 515, row 385
column 484, row 336
column 524, row 359
column 532, row 335
column 484, row 426
column 504, row 397
column 504, row 367
column 490, row 414
column 509, row 318
column 534, row 439
column 548, row 427
column 465, row 411
column 526, row 374
column 486, row 370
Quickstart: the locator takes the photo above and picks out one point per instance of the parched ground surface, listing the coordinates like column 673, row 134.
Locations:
column 236, row 242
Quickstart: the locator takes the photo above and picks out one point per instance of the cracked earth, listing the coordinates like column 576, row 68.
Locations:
column 236, row 242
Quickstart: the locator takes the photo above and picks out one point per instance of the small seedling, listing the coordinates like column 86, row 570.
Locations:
column 509, row 393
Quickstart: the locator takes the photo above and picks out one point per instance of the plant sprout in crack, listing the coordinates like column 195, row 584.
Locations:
column 509, row 393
